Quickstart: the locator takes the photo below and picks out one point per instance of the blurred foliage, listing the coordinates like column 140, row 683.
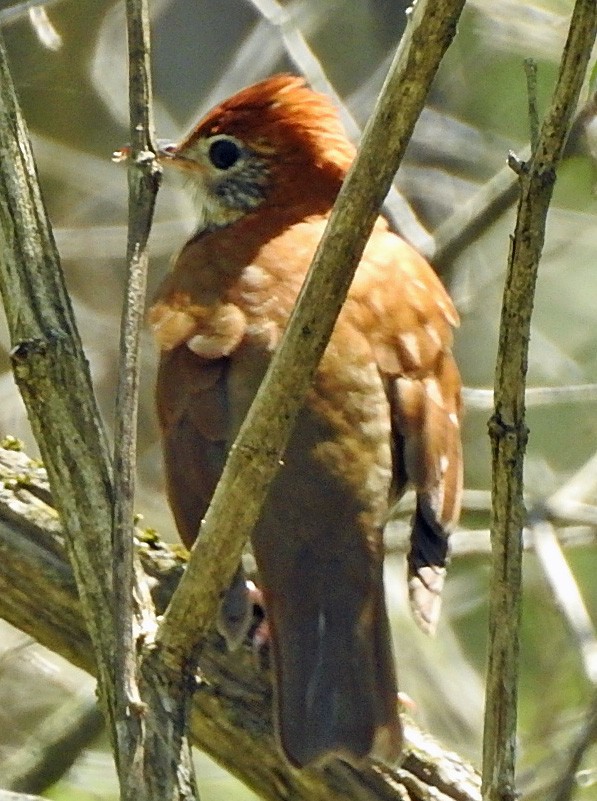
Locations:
column 75, row 101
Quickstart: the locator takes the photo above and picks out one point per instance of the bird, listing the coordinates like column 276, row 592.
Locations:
column 383, row 413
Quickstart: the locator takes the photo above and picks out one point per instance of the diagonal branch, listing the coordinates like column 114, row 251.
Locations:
column 302, row 56
column 587, row 736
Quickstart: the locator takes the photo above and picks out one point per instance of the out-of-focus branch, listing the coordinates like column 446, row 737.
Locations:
column 58, row 741
column 566, row 595
column 586, row 738
column 8, row 795
column 480, row 398
column 19, row 8
column 470, row 218
column 508, row 430
column 300, row 53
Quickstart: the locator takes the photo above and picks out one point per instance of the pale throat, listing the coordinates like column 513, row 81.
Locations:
column 211, row 212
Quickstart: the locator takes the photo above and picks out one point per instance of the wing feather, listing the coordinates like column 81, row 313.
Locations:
column 408, row 317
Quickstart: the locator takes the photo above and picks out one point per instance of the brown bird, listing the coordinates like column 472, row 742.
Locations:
column 266, row 166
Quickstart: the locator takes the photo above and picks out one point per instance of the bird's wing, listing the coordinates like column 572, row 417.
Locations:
column 407, row 316
column 192, row 402
column 192, row 411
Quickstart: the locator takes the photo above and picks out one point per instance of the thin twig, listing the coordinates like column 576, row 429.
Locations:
column 18, row 9
column 469, row 219
column 530, row 70
column 508, row 430
column 578, row 487
column 155, row 759
column 254, row 458
column 480, row 398
column 46, row 32
column 473, row 216
column 143, row 183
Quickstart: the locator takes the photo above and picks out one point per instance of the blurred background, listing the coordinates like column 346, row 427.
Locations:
column 454, row 200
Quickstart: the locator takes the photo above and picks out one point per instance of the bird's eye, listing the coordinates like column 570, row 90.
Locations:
column 223, row 153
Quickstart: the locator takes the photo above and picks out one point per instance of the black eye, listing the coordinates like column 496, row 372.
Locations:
column 223, row 154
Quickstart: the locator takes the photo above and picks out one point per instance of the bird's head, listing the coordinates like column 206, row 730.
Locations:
column 276, row 144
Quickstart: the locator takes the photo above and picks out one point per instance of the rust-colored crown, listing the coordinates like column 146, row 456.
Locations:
column 284, row 113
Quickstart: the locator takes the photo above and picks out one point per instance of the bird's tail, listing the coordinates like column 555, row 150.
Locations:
column 335, row 682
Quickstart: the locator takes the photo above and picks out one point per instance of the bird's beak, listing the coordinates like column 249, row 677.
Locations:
column 170, row 154
column 165, row 151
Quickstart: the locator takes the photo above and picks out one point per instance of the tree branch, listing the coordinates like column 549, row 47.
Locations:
column 130, row 616
column 53, row 377
column 507, row 426
column 570, row 780
column 231, row 708
column 54, row 380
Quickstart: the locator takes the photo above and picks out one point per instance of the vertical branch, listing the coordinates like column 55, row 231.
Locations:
column 530, row 70
column 507, row 428
column 155, row 757
column 53, row 376
column 143, row 179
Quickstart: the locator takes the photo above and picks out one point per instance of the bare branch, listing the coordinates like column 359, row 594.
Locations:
column 530, row 71
column 586, row 738
column 230, row 715
column 53, row 376
column 479, row 398
column 578, row 487
column 566, row 595
column 508, row 430
column 59, row 740
column 469, row 218
column 128, row 582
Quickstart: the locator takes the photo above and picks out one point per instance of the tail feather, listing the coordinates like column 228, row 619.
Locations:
column 336, row 686
column 426, row 567
column 427, row 421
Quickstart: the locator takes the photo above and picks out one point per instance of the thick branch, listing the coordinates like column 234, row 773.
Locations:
column 53, row 376
column 230, row 714
column 507, row 427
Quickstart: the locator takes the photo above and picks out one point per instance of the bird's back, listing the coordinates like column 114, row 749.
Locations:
column 318, row 543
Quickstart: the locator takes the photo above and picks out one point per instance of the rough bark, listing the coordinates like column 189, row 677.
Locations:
column 230, row 715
